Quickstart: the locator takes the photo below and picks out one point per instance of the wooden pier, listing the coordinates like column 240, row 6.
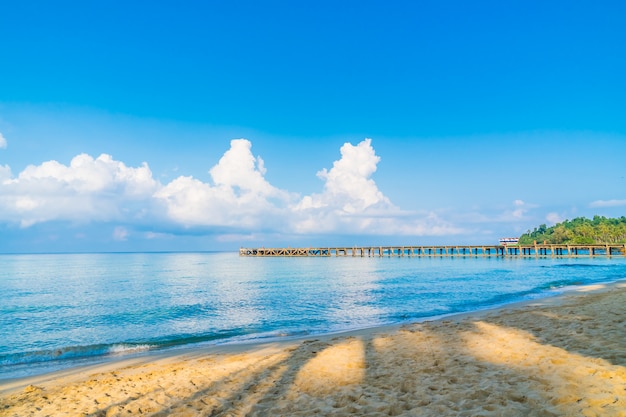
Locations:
column 442, row 251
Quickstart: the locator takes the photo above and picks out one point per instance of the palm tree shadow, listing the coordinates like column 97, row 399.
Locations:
column 252, row 390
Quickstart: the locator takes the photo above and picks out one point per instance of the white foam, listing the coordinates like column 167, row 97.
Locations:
column 122, row 349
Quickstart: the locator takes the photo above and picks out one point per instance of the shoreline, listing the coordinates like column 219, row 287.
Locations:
column 251, row 339
column 245, row 343
column 517, row 359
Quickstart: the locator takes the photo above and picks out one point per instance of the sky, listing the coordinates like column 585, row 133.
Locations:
column 214, row 125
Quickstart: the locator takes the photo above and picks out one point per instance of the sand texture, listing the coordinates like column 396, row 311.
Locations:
column 556, row 357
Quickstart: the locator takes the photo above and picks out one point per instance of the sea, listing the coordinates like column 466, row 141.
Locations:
column 64, row 310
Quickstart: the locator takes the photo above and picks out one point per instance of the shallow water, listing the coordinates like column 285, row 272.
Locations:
column 60, row 310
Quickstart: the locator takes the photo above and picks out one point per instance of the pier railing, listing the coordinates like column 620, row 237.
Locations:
column 456, row 250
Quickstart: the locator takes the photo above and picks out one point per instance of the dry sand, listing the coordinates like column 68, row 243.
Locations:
column 564, row 356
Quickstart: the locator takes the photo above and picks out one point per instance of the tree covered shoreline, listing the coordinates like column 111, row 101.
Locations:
column 579, row 231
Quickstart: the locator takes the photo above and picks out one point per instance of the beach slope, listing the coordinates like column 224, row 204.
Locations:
column 552, row 357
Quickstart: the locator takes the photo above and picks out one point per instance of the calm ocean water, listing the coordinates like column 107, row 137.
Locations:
column 62, row 310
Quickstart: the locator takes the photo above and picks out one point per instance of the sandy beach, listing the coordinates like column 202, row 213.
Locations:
column 561, row 356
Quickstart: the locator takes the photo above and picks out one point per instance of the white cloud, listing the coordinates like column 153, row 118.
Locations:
column 350, row 199
column 348, row 186
column 156, row 235
column 517, row 213
column 238, row 201
column 238, row 168
column 608, row 203
column 88, row 189
column 5, row 173
column 352, row 203
column 520, row 209
column 3, row 142
column 554, row 218
column 239, row 198
column 120, row 233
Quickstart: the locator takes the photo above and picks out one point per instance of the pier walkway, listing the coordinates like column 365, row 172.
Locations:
column 424, row 251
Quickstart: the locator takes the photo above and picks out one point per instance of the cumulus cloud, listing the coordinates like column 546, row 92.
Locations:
column 350, row 198
column 238, row 168
column 608, row 203
column 3, row 142
column 348, row 187
column 5, row 173
column 352, row 203
column 103, row 189
column 87, row 189
column 240, row 196
column 237, row 201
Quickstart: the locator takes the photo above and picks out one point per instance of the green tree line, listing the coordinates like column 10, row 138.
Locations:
column 579, row 231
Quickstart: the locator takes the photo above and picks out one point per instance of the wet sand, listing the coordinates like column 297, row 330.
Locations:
column 562, row 356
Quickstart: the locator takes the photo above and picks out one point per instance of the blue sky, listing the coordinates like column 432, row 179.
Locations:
column 220, row 124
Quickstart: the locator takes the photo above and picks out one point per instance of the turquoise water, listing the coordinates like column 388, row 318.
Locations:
column 62, row 310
